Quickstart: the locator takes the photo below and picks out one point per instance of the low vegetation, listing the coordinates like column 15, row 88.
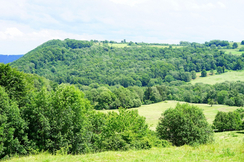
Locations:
column 227, row 146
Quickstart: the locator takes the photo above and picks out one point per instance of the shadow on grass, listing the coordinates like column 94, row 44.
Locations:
column 240, row 132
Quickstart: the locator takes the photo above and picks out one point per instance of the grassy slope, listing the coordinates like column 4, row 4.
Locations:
column 234, row 51
column 228, row 146
column 153, row 112
column 122, row 45
column 212, row 79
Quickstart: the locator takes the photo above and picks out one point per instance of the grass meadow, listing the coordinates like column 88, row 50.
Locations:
column 228, row 146
column 218, row 78
column 153, row 112
column 234, row 51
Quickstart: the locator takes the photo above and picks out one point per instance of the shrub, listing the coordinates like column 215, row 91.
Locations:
column 227, row 121
column 241, row 49
column 185, row 124
column 121, row 131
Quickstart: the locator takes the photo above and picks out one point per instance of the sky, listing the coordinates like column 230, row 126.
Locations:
column 26, row 24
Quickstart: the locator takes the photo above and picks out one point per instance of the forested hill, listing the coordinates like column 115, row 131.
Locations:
column 86, row 62
column 9, row 58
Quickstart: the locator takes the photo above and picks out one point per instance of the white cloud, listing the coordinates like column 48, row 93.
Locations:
column 11, row 33
column 222, row 5
column 129, row 2
column 27, row 23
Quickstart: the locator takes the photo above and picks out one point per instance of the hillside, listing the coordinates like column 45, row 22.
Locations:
column 9, row 58
column 230, row 76
column 86, row 62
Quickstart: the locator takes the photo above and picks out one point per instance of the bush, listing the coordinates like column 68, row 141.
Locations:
column 227, row 121
column 185, row 124
column 241, row 49
column 121, row 131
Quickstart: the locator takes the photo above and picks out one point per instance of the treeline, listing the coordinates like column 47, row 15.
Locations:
column 214, row 44
column 113, row 97
column 84, row 63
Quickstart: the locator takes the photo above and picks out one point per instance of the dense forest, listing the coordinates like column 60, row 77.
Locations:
column 86, row 62
column 113, row 77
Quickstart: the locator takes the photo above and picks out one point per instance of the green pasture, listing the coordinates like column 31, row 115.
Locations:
column 160, row 46
column 228, row 146
column 218, row 78
column 122, row 45
column 234, row 51
column 153, row 112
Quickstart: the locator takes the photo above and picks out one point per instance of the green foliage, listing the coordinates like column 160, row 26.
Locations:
column 203, row 73
column 217, row 43
column 185, row 124
column 13, row 137
column 222, row 96
column 227, row 121
column 241, row 49
column 121, row 131
column 58, row 119
column 169, row 78
column 194, row 75
column 13, row 82
column 211, row 102
column 241, row 112
column 235, row 45
column 84, row 63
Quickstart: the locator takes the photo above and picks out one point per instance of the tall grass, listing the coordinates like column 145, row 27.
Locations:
column 228, row 146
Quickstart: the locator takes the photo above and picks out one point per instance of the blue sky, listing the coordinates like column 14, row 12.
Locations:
column 25, row 24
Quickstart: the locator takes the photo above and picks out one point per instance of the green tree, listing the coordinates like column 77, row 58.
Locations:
column 203, row 73
column 211, row 72
column 193, row 75
column 13, row 136
column 219, row 70
column 211, row 102
column 242, row 42
column 169, row 78
column 188, row 126
column 235, row 45
column 222, row 96
column 227, row 121
column 68, row 119
column 13, row 82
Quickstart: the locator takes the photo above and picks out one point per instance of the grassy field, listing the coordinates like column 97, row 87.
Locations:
column 122, row 45
column 153, row 112
column 218, row 78
column 234, row 51
column 228, row 146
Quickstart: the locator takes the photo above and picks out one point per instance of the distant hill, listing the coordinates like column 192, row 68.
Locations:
column 9, row 58
column 86, row 62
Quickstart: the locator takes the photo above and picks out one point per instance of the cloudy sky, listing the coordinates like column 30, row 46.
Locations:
column 25, row 24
